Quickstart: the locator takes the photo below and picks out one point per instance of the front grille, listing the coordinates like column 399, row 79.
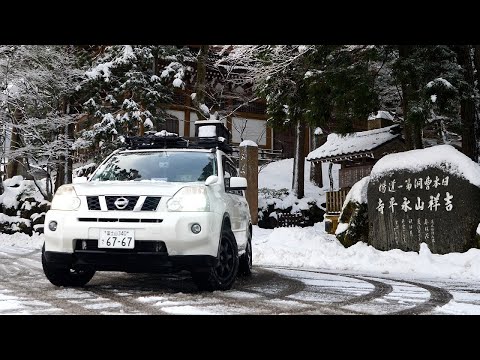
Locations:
column 132, row 200
column 93, row 203
column 124, row 220
column 150, row 203
column 140, row 246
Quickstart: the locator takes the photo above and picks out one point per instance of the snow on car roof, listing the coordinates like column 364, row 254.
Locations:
column 168, row 149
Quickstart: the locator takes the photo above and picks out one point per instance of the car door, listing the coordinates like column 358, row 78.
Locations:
column 239, row 210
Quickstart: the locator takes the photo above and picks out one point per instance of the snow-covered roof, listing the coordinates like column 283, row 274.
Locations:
column 444, row 157
column 359, row 144
column 381, row 115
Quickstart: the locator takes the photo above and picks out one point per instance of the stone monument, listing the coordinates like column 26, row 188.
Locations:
column 430, row 195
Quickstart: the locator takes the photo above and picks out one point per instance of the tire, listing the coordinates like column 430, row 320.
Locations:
column 245, row 262
column 64, row 276
column 223, row 274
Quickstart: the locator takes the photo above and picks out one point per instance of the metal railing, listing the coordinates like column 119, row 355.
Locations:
column 291, row 220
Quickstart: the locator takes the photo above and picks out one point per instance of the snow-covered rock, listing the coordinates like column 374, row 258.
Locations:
column 353, row 221
column 429, row 195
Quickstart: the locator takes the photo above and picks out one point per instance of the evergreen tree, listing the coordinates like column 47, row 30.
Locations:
column 126, row 87
column 341, row 85
column 429, row 77
column 468, row 113
column 315, row 85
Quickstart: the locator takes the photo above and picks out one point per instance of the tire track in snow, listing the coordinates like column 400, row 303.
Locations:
column 293, row 287
column 380, row 289
column 438, row 297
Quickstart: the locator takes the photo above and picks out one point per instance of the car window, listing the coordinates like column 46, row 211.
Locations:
column 172, row 166
column 230, row 170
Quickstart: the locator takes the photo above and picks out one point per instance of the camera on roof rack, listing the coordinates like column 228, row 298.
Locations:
column 212, row 129
column 213, row 133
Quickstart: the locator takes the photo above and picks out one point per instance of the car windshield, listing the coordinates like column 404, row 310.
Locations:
column 172, row 166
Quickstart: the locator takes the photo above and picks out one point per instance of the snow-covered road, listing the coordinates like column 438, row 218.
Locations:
column 271, row 290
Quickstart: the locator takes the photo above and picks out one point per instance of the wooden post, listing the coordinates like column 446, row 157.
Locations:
column 186, row 123
column 316, row 175
column 248, row 165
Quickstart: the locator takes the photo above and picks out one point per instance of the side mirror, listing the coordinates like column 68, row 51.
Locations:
column 79, row 180
column 212, row 179
column 237, row 183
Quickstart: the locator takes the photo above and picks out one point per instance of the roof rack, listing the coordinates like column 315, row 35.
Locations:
column 151, row 141
column 176, row 142
column 209, row 134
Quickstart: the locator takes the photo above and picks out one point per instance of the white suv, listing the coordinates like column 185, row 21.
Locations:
column 152, row 210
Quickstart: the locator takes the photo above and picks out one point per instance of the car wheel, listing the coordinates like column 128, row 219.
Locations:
column 222, row 275
column 65, row 276
column 245, row 263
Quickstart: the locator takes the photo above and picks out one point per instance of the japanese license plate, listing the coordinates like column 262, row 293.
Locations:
column 116, row 239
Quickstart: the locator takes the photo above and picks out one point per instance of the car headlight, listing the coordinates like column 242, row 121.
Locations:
column 189, row 198
column 65, row 198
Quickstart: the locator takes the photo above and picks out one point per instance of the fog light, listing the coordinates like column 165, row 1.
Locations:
column 52, row 225
column 196, row 228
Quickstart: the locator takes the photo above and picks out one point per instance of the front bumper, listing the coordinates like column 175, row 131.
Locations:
column 172, row 228
column 130, row 262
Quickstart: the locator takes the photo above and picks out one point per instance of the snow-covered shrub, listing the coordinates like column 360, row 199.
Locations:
column 353, row 222
column 22, row 207
column 272, row 203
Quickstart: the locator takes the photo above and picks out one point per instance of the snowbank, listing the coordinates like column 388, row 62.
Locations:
column 444, row 157
column 313, row 248
column 22, row 240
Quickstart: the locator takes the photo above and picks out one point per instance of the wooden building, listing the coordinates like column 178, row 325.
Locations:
column 356, row 153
